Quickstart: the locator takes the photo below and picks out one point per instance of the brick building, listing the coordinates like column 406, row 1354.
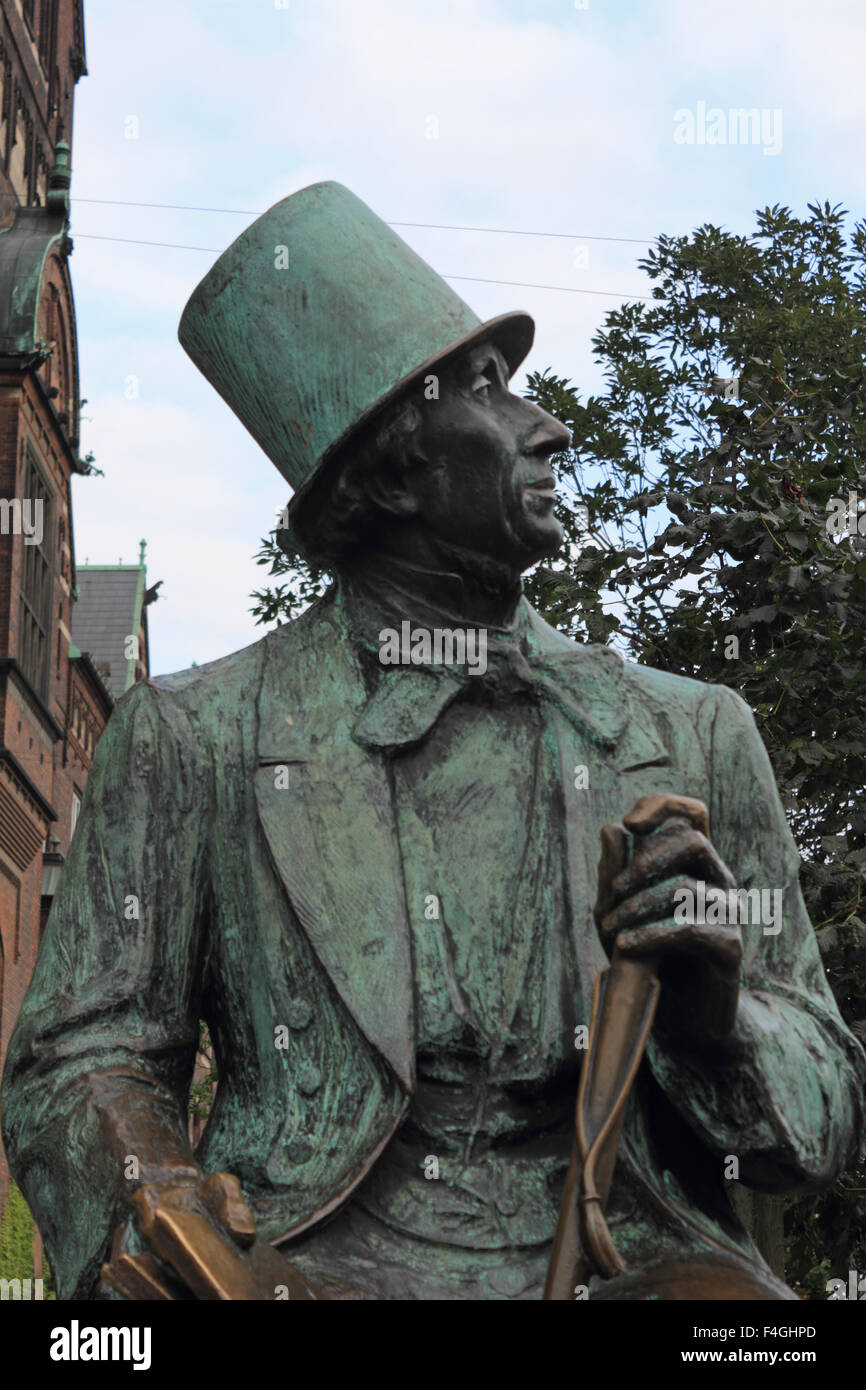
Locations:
column 42, row 759
column 41, row 59
column 61, row 667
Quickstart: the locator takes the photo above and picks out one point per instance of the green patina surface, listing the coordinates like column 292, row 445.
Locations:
column 259, row 836
column 200, row 885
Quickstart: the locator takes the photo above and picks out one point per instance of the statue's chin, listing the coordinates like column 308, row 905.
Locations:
column 526, row 538
column 542, row 539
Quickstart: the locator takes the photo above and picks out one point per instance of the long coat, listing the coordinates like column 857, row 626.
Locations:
column 236, row 860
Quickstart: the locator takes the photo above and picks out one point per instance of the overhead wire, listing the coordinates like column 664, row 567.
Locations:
column 474, row 279
column 436, row 226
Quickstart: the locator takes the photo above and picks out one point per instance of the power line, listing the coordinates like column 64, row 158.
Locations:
column 475, row 279
column 435, row 226
column 173, row 207
column 513, row 231
column 566, row 289
column 133, row 241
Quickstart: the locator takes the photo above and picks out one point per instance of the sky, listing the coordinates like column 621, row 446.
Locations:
column 592, row 127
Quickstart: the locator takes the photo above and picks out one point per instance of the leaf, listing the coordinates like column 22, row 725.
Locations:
column 760, row 615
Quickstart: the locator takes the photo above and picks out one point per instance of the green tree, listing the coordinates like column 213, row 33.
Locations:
column 17, row 1233
column 713, row 526
column 710, row 506
column 203, row 1087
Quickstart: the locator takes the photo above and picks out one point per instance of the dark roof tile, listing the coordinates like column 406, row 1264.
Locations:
column 103, row 617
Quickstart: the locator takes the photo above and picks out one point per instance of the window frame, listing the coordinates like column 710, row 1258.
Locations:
column 36, row 586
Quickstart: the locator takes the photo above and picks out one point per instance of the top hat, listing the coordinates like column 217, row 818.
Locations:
column 319, row 316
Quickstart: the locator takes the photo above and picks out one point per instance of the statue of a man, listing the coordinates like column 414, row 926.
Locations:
column 365, row 850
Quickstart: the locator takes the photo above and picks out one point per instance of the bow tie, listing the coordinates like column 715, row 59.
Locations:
column 583, row 684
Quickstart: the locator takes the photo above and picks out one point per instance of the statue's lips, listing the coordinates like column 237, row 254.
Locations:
column 543, row 485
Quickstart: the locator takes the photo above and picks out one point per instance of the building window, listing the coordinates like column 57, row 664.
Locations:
column 73, row 814
column 46, row 27
column 31, row 159
column 35, row 598
column 54, row 95
column 4, row 102
column 40, row 180
column 17, row 147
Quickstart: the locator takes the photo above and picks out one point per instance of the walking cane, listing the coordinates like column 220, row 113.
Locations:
column 624, row 1003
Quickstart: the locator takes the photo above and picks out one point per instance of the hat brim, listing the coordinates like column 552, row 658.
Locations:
column 512, row 334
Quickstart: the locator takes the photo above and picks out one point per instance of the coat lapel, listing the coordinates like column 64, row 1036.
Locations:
column 331, row 829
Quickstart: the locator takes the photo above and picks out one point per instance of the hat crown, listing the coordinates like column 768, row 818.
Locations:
column 313, row 318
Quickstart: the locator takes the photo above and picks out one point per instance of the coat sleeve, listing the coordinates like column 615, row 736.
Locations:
column 786, row 1097
column 100, row 1060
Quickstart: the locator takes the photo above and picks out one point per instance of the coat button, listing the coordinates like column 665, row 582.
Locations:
column 299, row 1151
column 300, row 1013
column 508, row 1282
column 508, row 1204
column 309, row 1079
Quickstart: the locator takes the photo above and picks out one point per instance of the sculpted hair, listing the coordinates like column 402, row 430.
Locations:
column 340, row 516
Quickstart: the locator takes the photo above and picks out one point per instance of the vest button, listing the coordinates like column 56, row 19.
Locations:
column 508, row 1204
column 508, row 1282
column 309, row 1079
column 300, row 1013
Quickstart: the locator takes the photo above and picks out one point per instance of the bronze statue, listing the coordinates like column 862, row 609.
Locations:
column 365, row 851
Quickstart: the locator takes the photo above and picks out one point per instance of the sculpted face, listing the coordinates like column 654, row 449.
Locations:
column 482, row 477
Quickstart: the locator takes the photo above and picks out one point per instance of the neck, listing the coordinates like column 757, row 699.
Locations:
column 464, row 585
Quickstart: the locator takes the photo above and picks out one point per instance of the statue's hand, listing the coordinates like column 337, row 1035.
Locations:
column 699, row 964
column 218, row 1196
column 201, row 1243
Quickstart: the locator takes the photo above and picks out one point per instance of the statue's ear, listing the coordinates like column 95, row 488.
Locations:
column 394, row 491
column 394, row 482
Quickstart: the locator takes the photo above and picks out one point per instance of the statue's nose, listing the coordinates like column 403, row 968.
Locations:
column 545, row 435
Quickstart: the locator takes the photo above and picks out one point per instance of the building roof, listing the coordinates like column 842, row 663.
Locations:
column 107, row 611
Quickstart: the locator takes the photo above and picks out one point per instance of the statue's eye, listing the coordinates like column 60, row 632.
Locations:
column 481, row 387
